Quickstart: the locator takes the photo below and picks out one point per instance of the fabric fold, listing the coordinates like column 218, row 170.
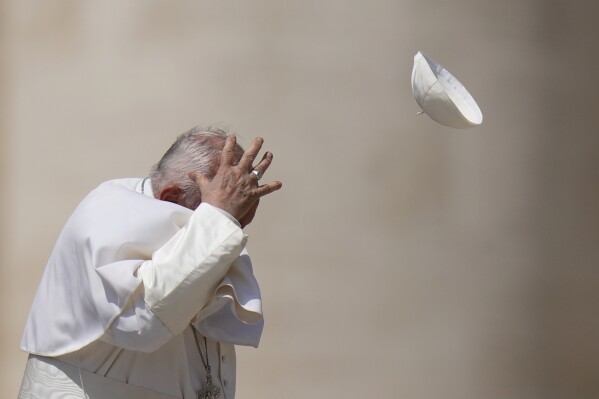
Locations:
column 234, row 315
column 95, row 271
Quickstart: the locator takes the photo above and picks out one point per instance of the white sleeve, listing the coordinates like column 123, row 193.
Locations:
column 178, row 281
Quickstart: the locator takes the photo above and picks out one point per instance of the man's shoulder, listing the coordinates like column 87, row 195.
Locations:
column 108, row 197
column 125, row 192
column 127, row 183
column 118, row 208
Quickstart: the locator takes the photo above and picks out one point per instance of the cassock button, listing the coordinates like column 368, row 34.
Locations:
column 222, row 358
column 225, row 383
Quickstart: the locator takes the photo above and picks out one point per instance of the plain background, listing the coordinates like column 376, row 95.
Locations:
column 402, row 258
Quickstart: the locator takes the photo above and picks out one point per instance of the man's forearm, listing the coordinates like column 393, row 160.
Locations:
column 181, row 276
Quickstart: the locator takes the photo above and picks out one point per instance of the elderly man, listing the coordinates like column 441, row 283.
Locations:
column 149, row 285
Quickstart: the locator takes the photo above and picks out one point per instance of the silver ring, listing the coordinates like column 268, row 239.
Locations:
column 257, row 173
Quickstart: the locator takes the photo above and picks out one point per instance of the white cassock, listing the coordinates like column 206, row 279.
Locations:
column 129, row 273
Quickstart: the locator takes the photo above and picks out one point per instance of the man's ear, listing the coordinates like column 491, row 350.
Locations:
column 170, row 193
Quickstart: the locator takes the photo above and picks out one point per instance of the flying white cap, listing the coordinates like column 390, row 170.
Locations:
column 441, row 96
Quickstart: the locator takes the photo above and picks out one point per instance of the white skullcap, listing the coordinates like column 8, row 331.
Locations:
column 441, row 96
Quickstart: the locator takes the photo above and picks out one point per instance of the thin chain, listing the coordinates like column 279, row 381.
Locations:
column 143, row 183
column 205, row 362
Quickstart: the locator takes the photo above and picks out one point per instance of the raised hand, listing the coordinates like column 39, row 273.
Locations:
column 235, row 187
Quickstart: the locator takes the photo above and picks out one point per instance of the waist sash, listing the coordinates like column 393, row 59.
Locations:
column 47, row 377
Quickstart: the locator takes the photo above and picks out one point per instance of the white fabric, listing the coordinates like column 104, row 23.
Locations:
column 441, row 96
column 50, row 378
column 173, row 369
column 127, row 276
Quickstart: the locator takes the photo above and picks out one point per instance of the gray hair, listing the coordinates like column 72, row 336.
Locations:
column 193, row 151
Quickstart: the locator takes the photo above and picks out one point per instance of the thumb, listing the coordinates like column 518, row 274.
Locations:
column 198, row 178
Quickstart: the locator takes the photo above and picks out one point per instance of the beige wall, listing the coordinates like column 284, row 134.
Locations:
column 402, row 258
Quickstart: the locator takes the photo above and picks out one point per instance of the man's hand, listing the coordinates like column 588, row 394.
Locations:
column 248, row 217
column 235, row 188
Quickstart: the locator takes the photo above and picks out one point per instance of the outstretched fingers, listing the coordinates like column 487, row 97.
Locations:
column 246, row 161
column 266, row 189
column 228, row 156
column 261, row 167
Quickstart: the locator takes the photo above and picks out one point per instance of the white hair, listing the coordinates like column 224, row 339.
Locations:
column 193, row 151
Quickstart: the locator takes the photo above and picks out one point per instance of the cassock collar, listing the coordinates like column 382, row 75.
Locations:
column 146, row 183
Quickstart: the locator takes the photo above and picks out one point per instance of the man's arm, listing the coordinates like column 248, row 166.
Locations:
column 181, row 277
column 178, row 281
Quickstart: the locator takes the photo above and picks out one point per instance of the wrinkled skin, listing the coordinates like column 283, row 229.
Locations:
column 235, row 188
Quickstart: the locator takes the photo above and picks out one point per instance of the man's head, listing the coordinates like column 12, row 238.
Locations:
column 197, row 150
